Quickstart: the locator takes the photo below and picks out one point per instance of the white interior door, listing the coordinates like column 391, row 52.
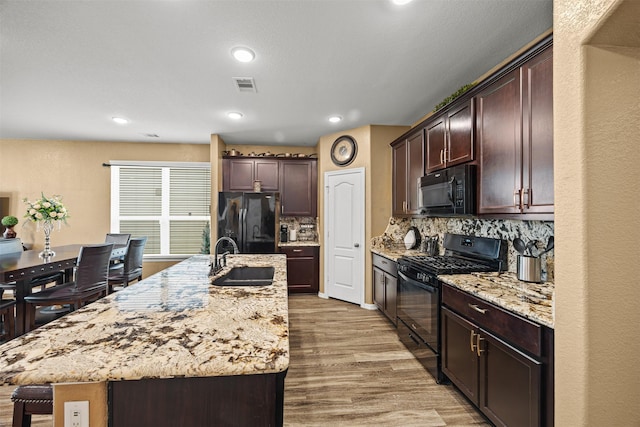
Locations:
column 344, row 235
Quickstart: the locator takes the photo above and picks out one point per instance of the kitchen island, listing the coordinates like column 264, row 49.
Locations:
column 173, row 349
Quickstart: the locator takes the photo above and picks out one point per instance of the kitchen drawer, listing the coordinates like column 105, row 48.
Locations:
column 298, row 251
column 512, row 328
column 385, row 264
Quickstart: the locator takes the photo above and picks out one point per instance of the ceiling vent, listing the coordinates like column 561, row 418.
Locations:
column 245, row 84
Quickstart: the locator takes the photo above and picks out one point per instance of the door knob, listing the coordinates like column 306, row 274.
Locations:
column 356, row 245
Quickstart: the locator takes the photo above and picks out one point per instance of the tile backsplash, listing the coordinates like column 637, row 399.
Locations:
column 307, row 226
column 496, row 228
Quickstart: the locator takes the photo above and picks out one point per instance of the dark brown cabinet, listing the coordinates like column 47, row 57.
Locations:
column 385, row 286
column 295, row 179
column 239, row 174
column 408, row 167
column 298, row 187
column 302, row 268
column 498, row 360
column 514, row 127
column 449, row 138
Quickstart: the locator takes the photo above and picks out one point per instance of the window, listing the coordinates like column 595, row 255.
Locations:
column 169, row 203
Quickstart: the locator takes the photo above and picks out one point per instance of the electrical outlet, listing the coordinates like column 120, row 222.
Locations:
column 76, row 414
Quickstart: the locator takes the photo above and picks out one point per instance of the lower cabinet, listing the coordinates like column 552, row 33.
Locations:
column 509, row 385
column 385, row 286
column 303, row 268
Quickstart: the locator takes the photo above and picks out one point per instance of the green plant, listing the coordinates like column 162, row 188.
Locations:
column 9, row 221
column 453, row 96
column 206, row 239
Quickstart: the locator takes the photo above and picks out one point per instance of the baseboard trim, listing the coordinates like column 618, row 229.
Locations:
column 323, row 295
column 369, row 306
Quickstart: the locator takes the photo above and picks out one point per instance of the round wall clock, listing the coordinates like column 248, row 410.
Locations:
column 344, row 150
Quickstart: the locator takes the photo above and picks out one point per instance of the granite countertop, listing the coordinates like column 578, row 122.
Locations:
column 395, row 253
column 299, row 243
column 533, row 301
column 172, row 324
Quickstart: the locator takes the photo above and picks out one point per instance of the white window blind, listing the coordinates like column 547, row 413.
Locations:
column 167, row 203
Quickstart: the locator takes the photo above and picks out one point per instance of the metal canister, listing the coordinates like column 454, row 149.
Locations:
column 529, row 269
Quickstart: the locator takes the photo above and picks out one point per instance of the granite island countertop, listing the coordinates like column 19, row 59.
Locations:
column 533, row 301
column 172, row 324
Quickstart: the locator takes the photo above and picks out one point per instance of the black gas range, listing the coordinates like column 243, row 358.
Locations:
column 419, row 290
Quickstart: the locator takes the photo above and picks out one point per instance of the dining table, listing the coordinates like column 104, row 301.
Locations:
column 23, row 267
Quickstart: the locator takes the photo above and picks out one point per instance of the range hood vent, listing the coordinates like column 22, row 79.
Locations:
column 245, row 84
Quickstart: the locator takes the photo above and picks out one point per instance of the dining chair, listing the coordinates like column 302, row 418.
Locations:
column 7, row 319
column 131, row 268
column 118, row 239
column 14, row 246
column 89, row 282
column 28, row 400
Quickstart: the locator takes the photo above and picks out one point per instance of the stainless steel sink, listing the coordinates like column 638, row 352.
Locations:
column 246, row 276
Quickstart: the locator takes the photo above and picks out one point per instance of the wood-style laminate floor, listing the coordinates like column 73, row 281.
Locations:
column 348, row 368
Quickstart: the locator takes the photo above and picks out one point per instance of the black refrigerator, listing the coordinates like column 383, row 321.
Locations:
column 250, row 219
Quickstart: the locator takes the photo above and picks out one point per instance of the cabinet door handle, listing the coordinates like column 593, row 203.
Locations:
column 478, row 349
column 471, row 343
column 516, row 193
column 476, row 308
column 521, row 199
column 527, row 192
column 441, row 156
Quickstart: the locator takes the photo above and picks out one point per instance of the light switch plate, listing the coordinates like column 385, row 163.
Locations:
column 76, row 413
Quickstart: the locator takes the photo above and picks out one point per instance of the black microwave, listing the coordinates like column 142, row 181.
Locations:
column 448, row 192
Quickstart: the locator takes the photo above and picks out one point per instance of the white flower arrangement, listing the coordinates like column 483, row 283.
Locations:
column 46, row 209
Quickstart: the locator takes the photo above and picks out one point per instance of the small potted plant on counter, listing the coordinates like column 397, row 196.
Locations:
column 9, row 221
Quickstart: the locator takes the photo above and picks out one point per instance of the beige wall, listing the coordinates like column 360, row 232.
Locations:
column 74, row 170
column 374, row 155
column 597, row 123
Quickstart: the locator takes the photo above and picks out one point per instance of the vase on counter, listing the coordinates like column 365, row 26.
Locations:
column 9, row 233
column 47, row 226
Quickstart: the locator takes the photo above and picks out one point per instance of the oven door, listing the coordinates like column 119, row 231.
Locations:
column 418, row 305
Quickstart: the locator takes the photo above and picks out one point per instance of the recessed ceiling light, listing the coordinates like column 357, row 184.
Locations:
column 335, row 119
column 234, row 115
column 401, row 2
column 120, row 120
column 243, row 54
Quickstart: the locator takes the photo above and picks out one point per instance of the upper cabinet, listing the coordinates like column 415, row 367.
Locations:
column 298, row 187
column 239, row 174
column 408, row 167
column 514, row 128
column 449, row 138
column 295, row 179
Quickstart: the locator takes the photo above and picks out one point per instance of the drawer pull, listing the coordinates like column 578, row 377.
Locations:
column 478, row 309
column 296, row 250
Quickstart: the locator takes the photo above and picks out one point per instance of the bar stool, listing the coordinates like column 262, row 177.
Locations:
column 31, row 400
column 8, row 319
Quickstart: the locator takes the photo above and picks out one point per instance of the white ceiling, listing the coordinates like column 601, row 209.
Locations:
column 67, row 67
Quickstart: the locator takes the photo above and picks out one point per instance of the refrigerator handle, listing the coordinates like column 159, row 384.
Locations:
column 241, row 231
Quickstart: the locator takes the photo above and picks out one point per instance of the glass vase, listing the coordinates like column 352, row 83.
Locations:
column 47, row 226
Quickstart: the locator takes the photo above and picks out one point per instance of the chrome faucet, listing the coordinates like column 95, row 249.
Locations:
column 217, row 264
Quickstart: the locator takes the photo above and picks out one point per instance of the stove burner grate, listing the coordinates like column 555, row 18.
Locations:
column 444, row 264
